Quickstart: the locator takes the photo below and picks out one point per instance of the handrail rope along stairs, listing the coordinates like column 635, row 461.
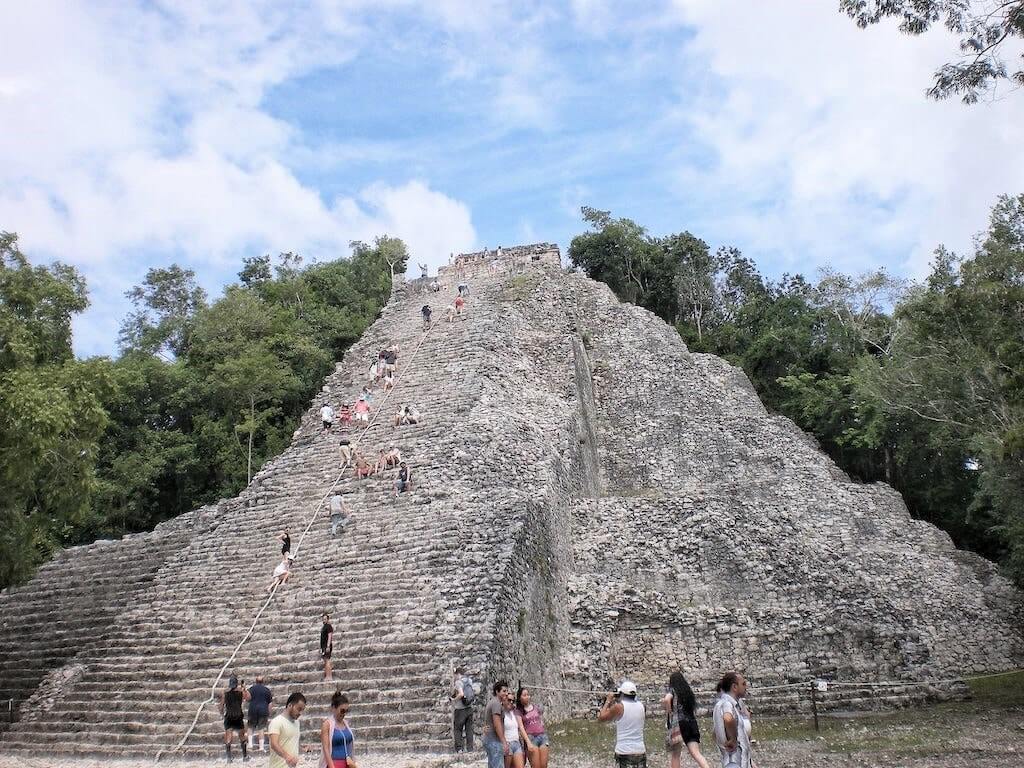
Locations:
column 316, row 513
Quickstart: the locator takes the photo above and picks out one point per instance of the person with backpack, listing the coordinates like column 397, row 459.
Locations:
column 463, row 694
column 426, row 311
column 681, row 722
column 231, row 699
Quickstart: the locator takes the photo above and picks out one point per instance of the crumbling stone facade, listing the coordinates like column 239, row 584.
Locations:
column 590, row 501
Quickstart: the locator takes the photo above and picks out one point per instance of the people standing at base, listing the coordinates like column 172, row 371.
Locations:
column 231, row 699
column 336, row 736
column 284, row 733
column 327, row 416
column 532, row 716
column 732, row 722
column 629, row 716
column 680, row 707
column 463, row 693
column 327, row 646
column 515, row 736
column 260, row 700
column 495, row 744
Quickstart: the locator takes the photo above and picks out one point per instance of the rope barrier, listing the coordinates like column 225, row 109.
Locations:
column 316, row 514
column 811, row 681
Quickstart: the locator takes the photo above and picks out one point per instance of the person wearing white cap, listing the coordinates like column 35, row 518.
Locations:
column 629, row 716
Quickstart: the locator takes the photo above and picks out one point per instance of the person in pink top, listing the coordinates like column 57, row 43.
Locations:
column 532, row 716
column 362, row 410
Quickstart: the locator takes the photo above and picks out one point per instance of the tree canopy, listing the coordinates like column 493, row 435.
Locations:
column 918, row 385
column 202, row 394
column 985, row 29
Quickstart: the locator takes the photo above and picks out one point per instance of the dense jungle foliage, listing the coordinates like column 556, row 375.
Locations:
column 200, row 397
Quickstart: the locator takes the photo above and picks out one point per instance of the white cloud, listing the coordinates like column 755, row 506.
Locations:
column 825, row 142
column 138, row 134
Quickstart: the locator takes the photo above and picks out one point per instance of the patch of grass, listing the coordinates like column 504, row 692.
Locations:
column 922, row 731
column 519, row 287
column 1003, row 691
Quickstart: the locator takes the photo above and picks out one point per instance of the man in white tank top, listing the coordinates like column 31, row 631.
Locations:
column 629, row 715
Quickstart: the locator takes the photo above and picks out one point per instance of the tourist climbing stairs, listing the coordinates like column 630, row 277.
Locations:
column 132, row 683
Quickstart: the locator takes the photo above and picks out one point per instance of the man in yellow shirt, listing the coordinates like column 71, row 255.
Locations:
column 284, row 733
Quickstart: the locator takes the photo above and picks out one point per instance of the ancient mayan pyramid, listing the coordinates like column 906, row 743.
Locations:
column 591, row 501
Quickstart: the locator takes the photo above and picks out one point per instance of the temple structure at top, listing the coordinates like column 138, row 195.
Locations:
column 513, row 259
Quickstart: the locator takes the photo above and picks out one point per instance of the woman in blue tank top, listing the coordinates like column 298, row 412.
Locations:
column 336, row 737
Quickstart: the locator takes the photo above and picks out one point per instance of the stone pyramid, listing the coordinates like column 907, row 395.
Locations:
column 591, row 500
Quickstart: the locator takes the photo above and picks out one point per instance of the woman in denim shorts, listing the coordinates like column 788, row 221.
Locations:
column 514, row 735
column 532, row 716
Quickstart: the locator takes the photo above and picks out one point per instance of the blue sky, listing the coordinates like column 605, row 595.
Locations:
column 137, row 134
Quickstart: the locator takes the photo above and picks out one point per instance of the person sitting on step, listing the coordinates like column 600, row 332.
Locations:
column 283, row 572
column 344, row 414
column 362, row 410
column 407, row 414
column 363, row 468
column 391, row 458
column 403, row 483
column 435, row 287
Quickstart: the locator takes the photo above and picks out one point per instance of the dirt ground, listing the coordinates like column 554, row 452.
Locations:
column 986, row 732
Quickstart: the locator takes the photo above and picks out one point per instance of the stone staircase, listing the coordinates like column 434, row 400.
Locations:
column 590, row 501
column 136, row 685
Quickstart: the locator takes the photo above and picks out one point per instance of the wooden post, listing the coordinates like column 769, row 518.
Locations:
column 814, row 703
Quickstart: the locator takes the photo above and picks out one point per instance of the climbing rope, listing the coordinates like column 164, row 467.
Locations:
column 316, row 513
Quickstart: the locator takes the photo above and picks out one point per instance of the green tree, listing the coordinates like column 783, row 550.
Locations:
column 254, row 384
column 50, row 412
column 984, row 29
column 165, row 304
column 958, row 366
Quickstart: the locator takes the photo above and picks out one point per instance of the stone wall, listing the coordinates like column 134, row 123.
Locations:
column 591, row 501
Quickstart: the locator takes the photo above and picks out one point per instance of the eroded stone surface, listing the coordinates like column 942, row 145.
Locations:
column 591, row 501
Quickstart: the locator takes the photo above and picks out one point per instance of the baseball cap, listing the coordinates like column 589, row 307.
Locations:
column 627, row 688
